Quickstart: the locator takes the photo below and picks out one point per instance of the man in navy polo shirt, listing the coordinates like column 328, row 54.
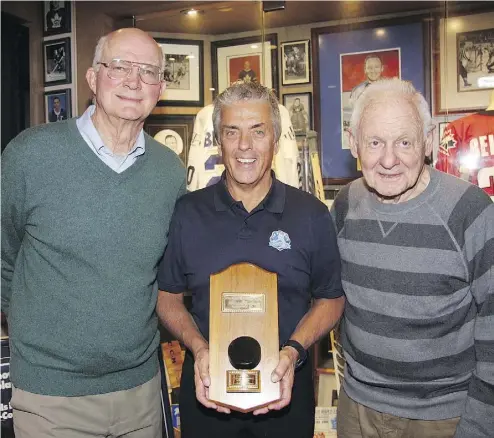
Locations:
column 250, row 216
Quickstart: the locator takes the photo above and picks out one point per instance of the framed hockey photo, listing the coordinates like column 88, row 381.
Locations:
column 346, row 59
column 295, row 62
column 56, row 17
column 56, row 62
column 463, row 63
column 172, row 131
column 245, row 59
column 184, row 72
column 299, row 106
column 58, row 105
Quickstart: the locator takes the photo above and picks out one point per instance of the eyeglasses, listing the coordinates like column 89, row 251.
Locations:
column 120, row 69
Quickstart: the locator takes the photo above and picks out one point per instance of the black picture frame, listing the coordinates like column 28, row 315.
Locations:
column 57, row 17
column 243, row 47
column 57, row 62
column 301, row 118
column 172, row 125
column 292, row 71
column 184, row 72
column 65, row 109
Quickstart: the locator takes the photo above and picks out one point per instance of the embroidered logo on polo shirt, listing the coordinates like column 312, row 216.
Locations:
column 280, row 240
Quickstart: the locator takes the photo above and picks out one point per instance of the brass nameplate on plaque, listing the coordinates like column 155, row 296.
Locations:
column 243, row 303
column 243, row 381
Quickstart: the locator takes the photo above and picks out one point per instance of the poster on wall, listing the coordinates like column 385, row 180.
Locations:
column 244, row 68
column 358, row 71
column 56, row 17
column 58, row 105
column 56, row 61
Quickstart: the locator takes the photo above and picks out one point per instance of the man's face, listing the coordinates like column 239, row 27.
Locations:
column 296, row 102
column 247, row 143
column 391, row 147
column 373, row 69
column 171, row 142
column 129, row 98
column 247, row 65
column 56, row 104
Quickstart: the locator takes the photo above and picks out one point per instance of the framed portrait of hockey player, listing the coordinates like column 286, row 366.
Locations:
column 56, row 17
column 358, row 71
column 172, row 131
column 245, row 59
column 299, row 106
column 56, row 62
column 464, row 62
column 295, row 62
column 184, row 72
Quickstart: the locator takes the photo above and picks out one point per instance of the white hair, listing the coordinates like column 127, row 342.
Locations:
column 378, row 89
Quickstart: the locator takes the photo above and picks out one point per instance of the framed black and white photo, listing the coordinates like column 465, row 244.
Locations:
column 58, row 105
column 56, row 62
column 295, row 62
column 299, row 106
column 183, row 72
column 56, row 17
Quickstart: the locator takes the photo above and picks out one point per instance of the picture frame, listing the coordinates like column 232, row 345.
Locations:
column 176, row 129
column 229, row 59
column 295, row 62
column 299, row 106
column 57, row 17
column 411, row 35
column 462, row 81
column 57, row 62
column 58, row 105
column 184, row 72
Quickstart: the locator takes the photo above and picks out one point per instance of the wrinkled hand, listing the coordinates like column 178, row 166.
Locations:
column 283, row 373
column 203, row 381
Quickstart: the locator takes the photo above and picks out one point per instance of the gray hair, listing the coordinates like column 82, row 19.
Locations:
column 248, row 91
column 394, row 86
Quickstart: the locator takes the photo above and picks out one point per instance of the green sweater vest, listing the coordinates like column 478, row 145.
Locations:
column 80, row 249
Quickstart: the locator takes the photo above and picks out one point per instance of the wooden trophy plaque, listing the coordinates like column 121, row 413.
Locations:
column 243, row 337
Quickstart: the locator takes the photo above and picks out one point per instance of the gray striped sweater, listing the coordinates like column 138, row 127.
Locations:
column 418, row 328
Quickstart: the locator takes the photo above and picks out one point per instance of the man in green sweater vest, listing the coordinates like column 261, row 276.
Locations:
column 86, row 205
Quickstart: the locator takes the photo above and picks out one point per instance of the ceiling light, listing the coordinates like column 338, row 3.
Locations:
column 190, row 56
column 380, row 32
column 171, row 59
column 191, row 12
column 253, row 46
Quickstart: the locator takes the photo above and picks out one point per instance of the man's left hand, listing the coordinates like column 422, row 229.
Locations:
column 283, row 373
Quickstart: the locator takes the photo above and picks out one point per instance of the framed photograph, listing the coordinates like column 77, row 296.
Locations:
column 58, row 105
column 347, row 58
column 464, row 63
column 295, row 59
column 299, row 106
column 245, row 59
column 358, row 70
column 56, row 18
column 172, row 131
column 56, row 62
column 184, row 72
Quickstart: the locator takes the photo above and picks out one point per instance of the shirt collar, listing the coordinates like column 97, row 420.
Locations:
column 86, row 126
column 273, row 202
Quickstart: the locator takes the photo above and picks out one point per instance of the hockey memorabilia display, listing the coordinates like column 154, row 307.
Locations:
column 402, row 42
column 467, row 150
column 299, row 107
column 295, row 61
column 358, row 71
column 56, row 62
column 204, row 164
column 245, row 59
column 243, row 337
column 56, row 17
column 173, row 131
column 58, row 105
column 184, row 63
column 464, row 62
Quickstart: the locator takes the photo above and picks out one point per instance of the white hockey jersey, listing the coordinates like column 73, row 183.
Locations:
column 204, row 164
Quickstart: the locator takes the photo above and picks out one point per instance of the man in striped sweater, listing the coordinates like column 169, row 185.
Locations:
column 417, row 250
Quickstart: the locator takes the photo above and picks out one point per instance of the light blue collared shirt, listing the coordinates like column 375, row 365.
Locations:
column 118, row 163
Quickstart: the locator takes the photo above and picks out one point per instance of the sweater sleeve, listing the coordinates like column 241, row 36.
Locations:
column 13, row 217
column 477, row 420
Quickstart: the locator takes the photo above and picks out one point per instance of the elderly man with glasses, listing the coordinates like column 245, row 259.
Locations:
column 85, row 214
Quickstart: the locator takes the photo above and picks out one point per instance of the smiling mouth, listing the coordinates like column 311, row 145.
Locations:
column 246, row 160
column 392, row 176
column 132, row 99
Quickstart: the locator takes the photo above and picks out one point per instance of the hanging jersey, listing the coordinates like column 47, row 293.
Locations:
column 467, row 150
column 204, row 164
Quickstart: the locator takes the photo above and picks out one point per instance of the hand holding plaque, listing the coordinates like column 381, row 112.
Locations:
column 243, row 337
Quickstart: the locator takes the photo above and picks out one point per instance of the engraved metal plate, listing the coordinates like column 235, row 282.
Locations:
column 243, row 303
column 243, row 381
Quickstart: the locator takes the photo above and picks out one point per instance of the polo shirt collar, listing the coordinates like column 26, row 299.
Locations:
column 273, row 202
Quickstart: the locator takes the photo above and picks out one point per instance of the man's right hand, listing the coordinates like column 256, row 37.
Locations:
column 203, row 381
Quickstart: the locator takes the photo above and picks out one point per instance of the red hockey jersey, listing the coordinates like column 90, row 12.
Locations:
column 467, row 150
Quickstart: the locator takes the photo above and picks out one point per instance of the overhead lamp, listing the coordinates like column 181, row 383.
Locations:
column 191, row 12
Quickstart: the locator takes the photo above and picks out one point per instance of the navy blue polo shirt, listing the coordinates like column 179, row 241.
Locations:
column 290, row 233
